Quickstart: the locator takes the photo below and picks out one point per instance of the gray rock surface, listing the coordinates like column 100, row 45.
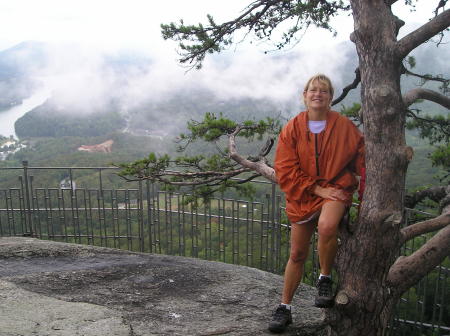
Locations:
column 58, row 289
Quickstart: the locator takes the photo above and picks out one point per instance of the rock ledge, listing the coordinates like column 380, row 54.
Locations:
column 59, row 289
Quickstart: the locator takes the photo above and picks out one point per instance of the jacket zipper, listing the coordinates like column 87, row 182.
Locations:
column 317, row 155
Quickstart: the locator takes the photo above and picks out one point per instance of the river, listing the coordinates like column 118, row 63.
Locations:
column 9, row 117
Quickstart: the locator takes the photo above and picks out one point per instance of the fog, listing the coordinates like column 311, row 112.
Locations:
column 85, row 80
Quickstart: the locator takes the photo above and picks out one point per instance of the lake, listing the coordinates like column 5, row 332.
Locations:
column 8, row 117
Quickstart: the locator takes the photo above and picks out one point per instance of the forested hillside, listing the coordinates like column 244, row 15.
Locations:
column 48, row 121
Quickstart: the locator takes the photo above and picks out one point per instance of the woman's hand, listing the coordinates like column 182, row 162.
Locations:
column 330, row 193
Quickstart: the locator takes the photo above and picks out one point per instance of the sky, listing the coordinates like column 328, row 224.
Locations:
column 81, row 31
column 107, row 24
column 114, row 24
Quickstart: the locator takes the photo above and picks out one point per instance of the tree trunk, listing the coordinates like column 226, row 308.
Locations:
column 369, row 247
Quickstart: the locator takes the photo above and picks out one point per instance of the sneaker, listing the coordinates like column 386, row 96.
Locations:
column 281, row 318
column 324, row 298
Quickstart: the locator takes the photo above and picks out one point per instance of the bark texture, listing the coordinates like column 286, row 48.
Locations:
column 370, row 248
column 371, row 280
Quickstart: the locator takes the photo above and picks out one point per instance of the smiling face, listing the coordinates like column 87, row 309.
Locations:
column 317, row 95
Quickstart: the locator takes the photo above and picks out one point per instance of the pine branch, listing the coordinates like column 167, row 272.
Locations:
column 427, row 77
column 191, row 178
column 435, row 128
column 423, row 34
column 205, row 175
column 261, row 17
column 212, row 36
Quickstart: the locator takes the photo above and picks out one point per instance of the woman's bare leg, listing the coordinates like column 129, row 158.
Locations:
column 328, row 225
column 300, row 239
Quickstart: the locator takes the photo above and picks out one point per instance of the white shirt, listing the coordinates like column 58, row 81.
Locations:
column 316, row 126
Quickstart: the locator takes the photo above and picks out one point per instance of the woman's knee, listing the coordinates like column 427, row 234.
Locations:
column 298, row 255
column 331, row 215
column 328, row 229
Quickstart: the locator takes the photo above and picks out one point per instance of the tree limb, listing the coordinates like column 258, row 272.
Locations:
column 419, row 93
column 407, row 271
column 434, row 193
column 260, row 167
column 202, row 178
column 348, row 88
column 267, row 147
column 423, row 33
column 261, row 17
column 426, row 77
column 390, row 2
column 430, row 225
column 441, row 4
column 229, row 27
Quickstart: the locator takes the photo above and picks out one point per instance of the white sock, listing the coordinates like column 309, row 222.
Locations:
column 287, row 306
column 324, row 275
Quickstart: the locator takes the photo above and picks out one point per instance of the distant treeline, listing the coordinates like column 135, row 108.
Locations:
column 47, row 123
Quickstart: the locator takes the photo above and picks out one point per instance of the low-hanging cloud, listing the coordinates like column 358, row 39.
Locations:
column 240, row 75
column 84, row 80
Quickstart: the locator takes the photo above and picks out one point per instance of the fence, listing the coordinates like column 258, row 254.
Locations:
column 55, row 203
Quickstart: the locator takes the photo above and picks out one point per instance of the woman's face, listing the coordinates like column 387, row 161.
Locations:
column 317, row 96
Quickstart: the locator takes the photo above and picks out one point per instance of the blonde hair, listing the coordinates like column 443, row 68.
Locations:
column 322, row 79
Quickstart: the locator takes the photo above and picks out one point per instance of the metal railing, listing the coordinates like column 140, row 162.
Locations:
column 92, row 205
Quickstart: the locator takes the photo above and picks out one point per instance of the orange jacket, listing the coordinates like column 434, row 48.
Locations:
column 330, row 158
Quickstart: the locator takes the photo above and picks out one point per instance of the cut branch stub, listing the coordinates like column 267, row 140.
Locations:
column 342, row 298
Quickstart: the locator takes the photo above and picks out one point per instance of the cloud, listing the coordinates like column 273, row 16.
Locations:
column 277, row 78
column 241, row 75
column 85, row 80
column 79, row 78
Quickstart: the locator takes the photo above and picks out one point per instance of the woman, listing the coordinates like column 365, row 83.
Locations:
column 319, row 153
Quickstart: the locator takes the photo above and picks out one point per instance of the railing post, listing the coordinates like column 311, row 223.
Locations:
column 141, row 217
column 273, row 257
column 28, row 209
